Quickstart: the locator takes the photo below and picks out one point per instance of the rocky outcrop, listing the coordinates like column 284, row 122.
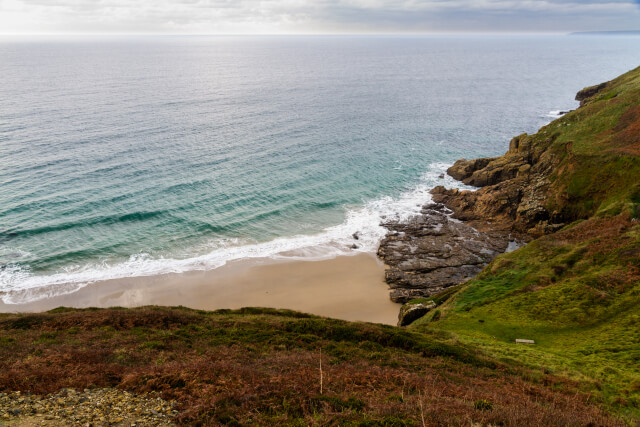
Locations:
column 464, row 169
column 564, row 173
column 514, row 190
column 589, row 92
column 412, row 311
column 433, row 251
column 454, row 238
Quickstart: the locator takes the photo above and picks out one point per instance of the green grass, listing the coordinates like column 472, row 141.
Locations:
column 576, row 295
column 598, row 151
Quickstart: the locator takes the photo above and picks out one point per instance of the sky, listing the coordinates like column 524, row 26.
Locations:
column 315, row 16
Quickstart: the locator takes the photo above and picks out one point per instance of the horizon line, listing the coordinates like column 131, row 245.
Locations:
column 320, row 34
column 498, row 33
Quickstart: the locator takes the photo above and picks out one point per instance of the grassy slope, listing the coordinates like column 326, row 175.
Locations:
column 261, row 367
column 576, row 292
column 599, row 145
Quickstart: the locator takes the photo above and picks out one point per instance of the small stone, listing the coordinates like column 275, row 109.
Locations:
column 410, row 312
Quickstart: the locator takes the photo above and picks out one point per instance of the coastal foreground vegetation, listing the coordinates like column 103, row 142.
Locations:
column 273, row 367
column 574, row 291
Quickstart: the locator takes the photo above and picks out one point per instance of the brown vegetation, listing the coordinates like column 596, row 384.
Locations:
column 255, row 366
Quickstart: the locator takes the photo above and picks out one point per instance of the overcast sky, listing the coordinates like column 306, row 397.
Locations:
column 314, row 16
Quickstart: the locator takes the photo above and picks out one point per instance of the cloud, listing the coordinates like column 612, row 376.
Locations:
column 313, row 16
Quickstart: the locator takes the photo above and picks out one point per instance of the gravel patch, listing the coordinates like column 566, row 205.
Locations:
column 91, row 407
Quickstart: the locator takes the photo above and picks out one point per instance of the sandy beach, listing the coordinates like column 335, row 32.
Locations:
column 348, row 287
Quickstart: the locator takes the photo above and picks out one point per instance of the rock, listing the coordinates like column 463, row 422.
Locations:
column 432, row 252
column 356, row 235
column 410, row 312
column 589, row 92
column 518, row 198
column 514, row 194
column 441, row 176
column 100, row 405
column 463, row 169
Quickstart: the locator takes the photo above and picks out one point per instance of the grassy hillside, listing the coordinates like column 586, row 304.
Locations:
column 596, row 152
column 262, row 366
column 575, row 292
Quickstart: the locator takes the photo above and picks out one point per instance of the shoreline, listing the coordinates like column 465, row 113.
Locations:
column 346, row 287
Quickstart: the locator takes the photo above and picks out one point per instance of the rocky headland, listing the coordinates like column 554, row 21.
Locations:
column 460, row 232
column 519, row 198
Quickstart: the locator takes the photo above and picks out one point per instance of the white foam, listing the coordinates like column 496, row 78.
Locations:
column 554, row 114
column 20, row 285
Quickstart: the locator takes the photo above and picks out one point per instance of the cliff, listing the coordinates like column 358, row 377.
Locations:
column 584, row 165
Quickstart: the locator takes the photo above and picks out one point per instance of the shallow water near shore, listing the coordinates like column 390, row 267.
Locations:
column 143, row 157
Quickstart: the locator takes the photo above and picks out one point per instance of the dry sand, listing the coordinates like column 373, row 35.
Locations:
column 348, row 287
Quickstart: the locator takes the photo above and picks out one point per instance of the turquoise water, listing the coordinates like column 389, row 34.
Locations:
column 137, row 156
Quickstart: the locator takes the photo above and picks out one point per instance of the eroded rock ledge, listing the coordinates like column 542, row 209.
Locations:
column 433, row 251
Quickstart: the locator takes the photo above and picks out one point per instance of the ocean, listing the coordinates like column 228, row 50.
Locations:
column 133, row 156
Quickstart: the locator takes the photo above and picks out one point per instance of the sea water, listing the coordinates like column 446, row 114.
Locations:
column 128, row 156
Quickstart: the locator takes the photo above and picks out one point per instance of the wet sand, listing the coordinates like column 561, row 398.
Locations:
column 348, row 287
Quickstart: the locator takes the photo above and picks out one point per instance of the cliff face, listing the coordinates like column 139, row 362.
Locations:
column 584, row 164
column 577, row 166
column 515, row 189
